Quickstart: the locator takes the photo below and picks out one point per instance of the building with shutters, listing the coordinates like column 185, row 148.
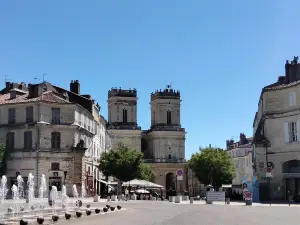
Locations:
column 163, row 144
column 241, row 154
column 276, row 129
column 52, row 131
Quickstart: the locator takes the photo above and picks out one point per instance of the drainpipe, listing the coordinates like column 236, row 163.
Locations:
column 38, row 145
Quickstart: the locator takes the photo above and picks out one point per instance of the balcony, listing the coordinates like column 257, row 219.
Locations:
column 164, row 160
column 124, row 126
column 166, row 127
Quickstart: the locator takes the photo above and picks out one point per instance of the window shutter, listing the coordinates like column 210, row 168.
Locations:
column 290, row 99
column 286, row 132
column 298, row 130
column 294, row 98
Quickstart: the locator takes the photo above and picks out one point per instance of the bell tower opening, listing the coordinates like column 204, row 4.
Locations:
column 169, row 117
column 124, row 115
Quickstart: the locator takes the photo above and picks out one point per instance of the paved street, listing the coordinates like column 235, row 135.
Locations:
column 152, row 213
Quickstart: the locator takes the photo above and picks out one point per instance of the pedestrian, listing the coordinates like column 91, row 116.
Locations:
column 126, row 193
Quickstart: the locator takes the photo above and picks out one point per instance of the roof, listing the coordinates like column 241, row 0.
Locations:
column 279, row 85
column 48, row 96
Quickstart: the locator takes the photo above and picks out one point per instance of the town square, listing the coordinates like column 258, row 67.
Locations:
column 149, row 112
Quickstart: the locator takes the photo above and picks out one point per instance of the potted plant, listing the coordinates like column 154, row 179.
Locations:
column 67, row 215
column 119, row 207
column 78, row 214
column 88, row 212
column 108, row 206
column 23, row 222
column 105, row 209
column 22, row 208
column 112, row 208
column 40, row 220
column 97, row 211
column 88, row 206
column 55, row 218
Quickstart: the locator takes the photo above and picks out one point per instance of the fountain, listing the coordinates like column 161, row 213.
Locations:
column 65, row 201
column 30, row 192
column 3, row 188
column 15, row 197
column 20, row 186
column 42, row 191
column 78, row 202
column 53, row 199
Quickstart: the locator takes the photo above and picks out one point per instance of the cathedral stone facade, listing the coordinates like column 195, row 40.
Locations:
column 163, row 144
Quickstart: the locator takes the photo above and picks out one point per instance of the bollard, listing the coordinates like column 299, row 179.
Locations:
column 191, row 200
column 228, row 201
column 248, row 202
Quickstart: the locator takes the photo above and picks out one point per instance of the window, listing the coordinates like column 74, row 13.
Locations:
column 10, row 140
column 55, row 115
column 169, row 117
column 124, row 115
column 28, row 140
column 292, row 98
column 29, row 114
column 293, row 131
column 11, row 115
column 55, row 166
column 290, row 131
column 170, row 157
column 55, row 140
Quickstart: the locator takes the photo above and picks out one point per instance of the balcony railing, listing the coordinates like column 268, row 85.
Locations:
column 164, row 160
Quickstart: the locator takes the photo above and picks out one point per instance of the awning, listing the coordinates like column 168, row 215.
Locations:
column 142, row 183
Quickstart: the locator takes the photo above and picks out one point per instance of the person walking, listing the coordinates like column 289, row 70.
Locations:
column 126, row 194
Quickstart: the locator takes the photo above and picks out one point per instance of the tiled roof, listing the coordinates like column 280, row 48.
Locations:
column 279, row 85
column 47, row 96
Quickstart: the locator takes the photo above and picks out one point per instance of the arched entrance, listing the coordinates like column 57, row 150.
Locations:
column 170, row 185
column 291, row 171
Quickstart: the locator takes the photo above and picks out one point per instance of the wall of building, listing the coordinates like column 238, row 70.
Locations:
column 116, row 106
column 163, row 144
column 159, row 108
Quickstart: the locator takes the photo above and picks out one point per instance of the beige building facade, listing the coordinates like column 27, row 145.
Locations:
column 163, row 144
column 241, row 154
column 48, row 130
column 276, row 136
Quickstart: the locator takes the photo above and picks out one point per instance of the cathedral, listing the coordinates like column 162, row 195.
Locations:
column 163, row 144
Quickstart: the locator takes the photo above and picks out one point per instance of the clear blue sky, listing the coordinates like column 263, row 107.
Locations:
column 219, row 54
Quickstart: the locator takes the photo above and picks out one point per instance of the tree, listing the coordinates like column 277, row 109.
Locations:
column 146, row 172
column 3, row 158
column 122, row 163
column 212, row 166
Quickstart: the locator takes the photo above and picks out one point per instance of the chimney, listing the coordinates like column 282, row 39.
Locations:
column 35, row 90
column 243, row 139
column 75, row 87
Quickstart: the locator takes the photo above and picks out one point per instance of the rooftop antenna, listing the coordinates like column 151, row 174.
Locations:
column 5, row 78
column 44, row 74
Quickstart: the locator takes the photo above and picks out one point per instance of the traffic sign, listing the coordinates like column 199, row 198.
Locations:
column 179, row 172
column 247, row 195
column 269, row 170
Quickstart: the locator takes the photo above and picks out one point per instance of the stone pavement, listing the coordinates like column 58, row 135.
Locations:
column 164, row 213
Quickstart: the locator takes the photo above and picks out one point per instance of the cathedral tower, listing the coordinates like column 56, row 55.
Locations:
column 166, row 136
column 122, row 118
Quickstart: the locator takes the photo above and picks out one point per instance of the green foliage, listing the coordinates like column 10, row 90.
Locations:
column 122, row 163
column 212, row 166
column 146, row 172
column 3, row 157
